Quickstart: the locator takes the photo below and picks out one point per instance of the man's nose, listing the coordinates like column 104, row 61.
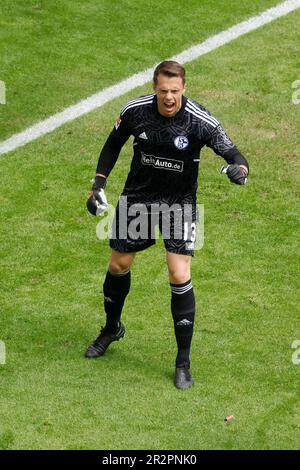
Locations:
column 169, row 95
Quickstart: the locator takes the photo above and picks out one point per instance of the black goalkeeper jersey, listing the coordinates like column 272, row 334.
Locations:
column 166, row 150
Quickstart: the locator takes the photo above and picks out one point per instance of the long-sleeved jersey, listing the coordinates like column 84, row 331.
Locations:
column 166, row 150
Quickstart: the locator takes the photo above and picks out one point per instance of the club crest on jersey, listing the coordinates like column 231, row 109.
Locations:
column 181, row 142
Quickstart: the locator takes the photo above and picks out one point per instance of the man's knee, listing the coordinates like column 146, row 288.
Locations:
column 179, row 276
column 120, row 262
column 179, row 267
column 179, row 273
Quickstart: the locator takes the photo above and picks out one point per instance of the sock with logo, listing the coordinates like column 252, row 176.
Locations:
column 183, row 311
column 115, row 289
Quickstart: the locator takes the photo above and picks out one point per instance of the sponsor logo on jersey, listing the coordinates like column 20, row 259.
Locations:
column 181, row 142
column 162, row 162
column 117, row 123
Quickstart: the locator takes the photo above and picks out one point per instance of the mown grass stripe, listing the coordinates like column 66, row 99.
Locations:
column 104, row 96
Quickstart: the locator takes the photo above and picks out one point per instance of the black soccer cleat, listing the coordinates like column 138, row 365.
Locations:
column 101, row 343
column 183, row 377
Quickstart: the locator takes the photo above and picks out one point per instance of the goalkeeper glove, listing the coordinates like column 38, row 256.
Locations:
column 97, row 202
column 235, row 173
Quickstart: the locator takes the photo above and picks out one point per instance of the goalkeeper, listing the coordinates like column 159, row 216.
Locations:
column 169, row 132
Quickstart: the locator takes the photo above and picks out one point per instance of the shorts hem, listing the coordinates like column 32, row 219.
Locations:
column 127, row 249
column 180, row 252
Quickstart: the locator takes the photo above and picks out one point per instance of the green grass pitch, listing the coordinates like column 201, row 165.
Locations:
column 246, row 277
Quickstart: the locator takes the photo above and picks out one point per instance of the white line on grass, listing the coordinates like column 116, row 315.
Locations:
column 99, row 99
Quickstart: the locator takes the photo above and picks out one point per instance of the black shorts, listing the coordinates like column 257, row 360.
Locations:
column 137, row 223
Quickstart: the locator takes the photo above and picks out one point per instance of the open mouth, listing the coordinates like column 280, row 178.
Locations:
column 169, row 106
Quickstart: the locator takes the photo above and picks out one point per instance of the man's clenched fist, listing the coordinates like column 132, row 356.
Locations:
column 97, row 202
column 235, row 173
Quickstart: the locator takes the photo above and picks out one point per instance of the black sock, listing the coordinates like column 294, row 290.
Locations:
column 183, row 311
column 115, row 289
